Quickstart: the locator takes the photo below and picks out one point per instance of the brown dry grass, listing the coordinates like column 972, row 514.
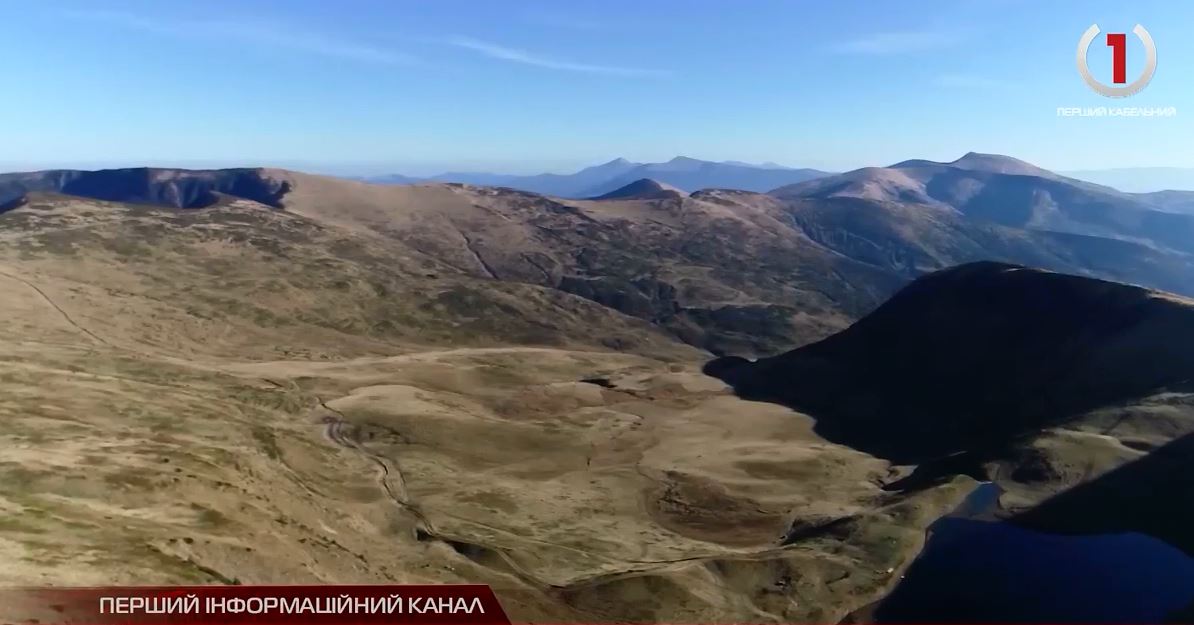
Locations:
column 238, row 395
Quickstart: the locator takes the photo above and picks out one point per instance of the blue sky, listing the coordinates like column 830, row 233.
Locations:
column 418, row 86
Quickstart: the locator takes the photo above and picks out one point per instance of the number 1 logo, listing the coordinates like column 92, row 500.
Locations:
column 1118, row 42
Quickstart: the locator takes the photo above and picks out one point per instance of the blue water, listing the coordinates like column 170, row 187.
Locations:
column 986, row 571
column 981, row 502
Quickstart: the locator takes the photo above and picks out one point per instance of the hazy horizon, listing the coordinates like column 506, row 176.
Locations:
column 1132, row 179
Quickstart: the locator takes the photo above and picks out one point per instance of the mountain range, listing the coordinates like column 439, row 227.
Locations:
column 729, row 271
column 1168, row 188
column 261, row 376
column 687, row 174
column 1007, row 191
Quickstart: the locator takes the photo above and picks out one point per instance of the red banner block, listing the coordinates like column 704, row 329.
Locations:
column 256, row 605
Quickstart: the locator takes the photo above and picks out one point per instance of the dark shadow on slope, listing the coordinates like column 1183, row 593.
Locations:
column 164, row 187
column 965, row 362
column 1153, row 495
column 12, row 202
column 1106, row 551
column 180, row 190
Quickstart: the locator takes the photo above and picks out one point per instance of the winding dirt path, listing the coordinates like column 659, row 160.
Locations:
column 393, row 483
column 334, row 428
column 47, row 299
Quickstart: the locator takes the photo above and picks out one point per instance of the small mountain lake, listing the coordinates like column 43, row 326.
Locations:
column 974, row 571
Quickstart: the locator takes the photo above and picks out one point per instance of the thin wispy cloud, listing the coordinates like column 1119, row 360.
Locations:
column 882, row 44
column 513, row 55
column 255, row 33
column 968, row 81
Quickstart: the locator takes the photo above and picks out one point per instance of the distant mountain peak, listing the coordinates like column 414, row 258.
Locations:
column 643, row 189
column 615, row 167
column 683, row 163
column 979, row 161
column 985, row 157
column 998, row 163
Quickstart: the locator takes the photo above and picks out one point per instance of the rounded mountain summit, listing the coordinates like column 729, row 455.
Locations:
column 643, row 189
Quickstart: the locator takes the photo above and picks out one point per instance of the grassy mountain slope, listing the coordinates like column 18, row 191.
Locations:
column 245, row 394
column 725, row 271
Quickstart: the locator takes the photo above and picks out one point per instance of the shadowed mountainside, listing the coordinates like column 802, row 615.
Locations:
column 975, row 358
column 176, row 188
column 643, row 189
column 1153, row 495
column 913, row 239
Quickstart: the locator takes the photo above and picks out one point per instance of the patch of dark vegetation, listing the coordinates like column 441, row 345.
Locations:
column 725, row 329
column 488, row 314
column 263, row 317
column 754, row 329
column 644, row 298
column 129, row 480
column 805, row 529
column 60, row 242
column 270, row 245
column 128, row 248
column 266, row 441
column 1033, row 466
column 698, row 507
column 208, row 517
